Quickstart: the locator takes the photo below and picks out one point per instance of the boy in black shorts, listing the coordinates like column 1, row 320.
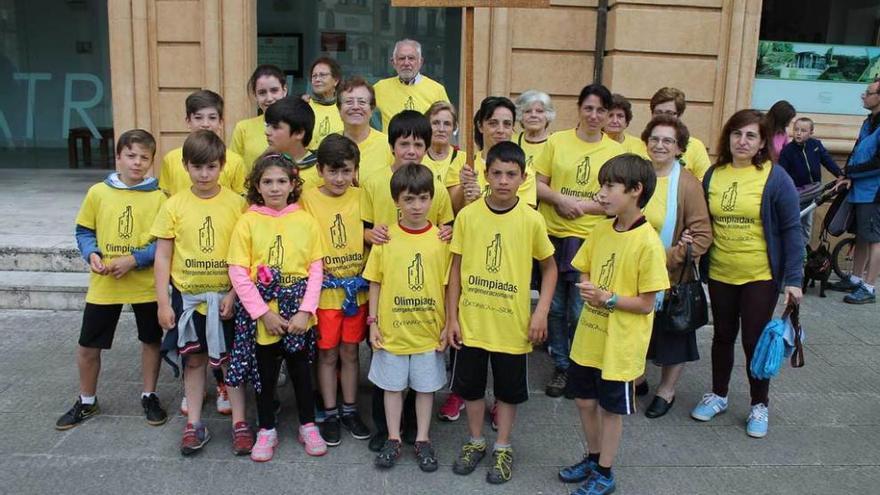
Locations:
column 113, row 235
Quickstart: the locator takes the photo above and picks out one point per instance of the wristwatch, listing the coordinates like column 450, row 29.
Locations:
column 611, row 302
column 372, row 319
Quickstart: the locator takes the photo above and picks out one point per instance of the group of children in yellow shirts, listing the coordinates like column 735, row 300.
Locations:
column 276, row 255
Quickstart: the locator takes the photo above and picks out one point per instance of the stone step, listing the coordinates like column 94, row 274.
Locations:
column 43, row 290
column 41, row 259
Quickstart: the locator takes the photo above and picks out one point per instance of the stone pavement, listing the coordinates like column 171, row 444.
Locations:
column 824, row 435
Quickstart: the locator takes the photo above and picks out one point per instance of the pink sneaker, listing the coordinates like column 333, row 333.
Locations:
column 310, row 437
column 223, row 405
column 264, row 448
column 451, row 409
column 493, row 414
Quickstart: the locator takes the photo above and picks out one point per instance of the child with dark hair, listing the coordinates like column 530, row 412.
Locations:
column 289, row 123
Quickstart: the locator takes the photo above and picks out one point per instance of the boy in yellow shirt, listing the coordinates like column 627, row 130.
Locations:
column 193, row 230
column 112, row 233
column 407, row 313
column 622, row 265
column 342, row 309
column 204, row 111
column 494, row 242
column 289, row 123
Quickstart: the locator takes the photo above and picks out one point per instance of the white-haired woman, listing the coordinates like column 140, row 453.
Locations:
column 535, row 112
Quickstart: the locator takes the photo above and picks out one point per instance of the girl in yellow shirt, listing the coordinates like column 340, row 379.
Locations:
column 267, row 85
column 276, row 244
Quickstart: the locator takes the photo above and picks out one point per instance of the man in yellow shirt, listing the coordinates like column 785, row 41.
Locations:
column 568, row 170
column 409, row 89
column 289, row 123
column 670, row 101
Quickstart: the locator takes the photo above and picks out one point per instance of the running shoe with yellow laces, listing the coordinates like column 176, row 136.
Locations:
column 470, row 456
column 502, row 466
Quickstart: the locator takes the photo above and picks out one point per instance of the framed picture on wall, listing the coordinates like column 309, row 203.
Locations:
column 284, row 50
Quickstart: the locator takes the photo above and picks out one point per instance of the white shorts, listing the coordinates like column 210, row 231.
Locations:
column 425, row 372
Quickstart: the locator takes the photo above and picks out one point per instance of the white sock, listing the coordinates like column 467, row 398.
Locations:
column 144, row 395
column 87, row 400
column 868, row 286
column 855, row 280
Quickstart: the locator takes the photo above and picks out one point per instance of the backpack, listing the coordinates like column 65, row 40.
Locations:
column 781, row 338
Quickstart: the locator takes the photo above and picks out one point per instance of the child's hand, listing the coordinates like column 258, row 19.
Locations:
column 378, row 235
column 167, row 319
column 445, row 233
column 227, row 306
column 453, row 334
column 538, row 328
column 593, row 295
column 441, row 347
column 118, row 267
column 274, row 323
column 375, row 337
column 299, row 324
column 97, row 264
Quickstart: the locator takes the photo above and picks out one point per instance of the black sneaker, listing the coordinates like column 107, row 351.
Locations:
column 502, row 467
column 426, row 457
column 156, row 416
column 389, row 454
column 556, row 385
column 471, row 454
column 76, row 415
column 377, row 441
column 355, row 425
column 330, row 431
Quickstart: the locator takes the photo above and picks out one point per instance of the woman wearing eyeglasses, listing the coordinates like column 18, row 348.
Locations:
column 326, row 76
column 678, row 212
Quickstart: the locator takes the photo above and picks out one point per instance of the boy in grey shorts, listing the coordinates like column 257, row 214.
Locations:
column 407, row 312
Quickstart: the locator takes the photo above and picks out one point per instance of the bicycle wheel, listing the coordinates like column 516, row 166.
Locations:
column 842, row 257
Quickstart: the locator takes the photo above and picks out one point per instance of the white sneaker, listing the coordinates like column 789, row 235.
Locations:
column 264, row 447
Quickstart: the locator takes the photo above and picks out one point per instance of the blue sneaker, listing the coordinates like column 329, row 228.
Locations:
column 860, row 296
column 709, row 407
column 578, row 472
column 759, row 419
column 597, row 485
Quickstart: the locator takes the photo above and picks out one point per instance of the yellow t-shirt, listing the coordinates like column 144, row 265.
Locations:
column 696, row 158
column 573, row 165
column 496, row 268
column 412, row 269
column 393, row 97
column 309, row 174
column 378, row 207
column 201, row 229
column 627, row 264
column 121, row 219
column 342, row 234
column 289, row 242
column 528, row 190
column 249, row 140
column 632, row 144
column 174, row 178
column 375, row 155
column 739, row 250
column 532, row 150
column 327, row 121
column 655, row 210
column 442, row 168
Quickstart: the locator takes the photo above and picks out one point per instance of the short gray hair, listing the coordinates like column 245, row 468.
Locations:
column 407, row 41
column 526, row 99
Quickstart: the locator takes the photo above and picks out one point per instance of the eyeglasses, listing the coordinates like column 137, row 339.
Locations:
column 665, row 141
column 671, row 113
column 321, row 75
column 870, row 93
column 361, row 102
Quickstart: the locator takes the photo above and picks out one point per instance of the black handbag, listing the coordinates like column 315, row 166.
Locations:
column 685, row 308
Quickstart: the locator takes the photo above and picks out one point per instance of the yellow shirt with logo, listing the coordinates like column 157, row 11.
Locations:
column 573, row 165
column 393, row 96
column 342, row 235
column 289, row 242
column 121, row 220
column 655, row 210
column 739, row 251
column 249, row 140
column 173, row 176
column 532, row 150
column 412, row 269
column 379, row 208
column 449, row 165
column 632, row 144
column 327, row 121
column 627, row 264
column 695, row 158
column 201, row 229
column 496, row 251
column 375, row 155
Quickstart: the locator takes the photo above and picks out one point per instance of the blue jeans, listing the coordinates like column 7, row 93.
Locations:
column 565, row 310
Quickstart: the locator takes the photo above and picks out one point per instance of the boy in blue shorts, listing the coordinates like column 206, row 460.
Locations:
column 623, row 266
column 113, row 235
column 494, row 241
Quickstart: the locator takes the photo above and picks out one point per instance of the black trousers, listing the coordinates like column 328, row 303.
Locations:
column 300, row 374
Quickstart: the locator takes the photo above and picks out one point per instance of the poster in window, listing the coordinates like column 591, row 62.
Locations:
column 283, row 50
